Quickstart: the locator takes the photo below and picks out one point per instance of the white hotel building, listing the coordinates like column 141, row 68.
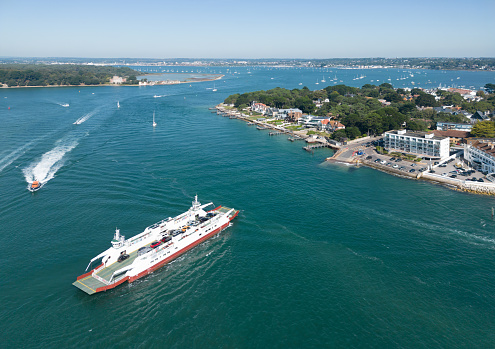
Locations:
column 481, row 155
column 421, row 144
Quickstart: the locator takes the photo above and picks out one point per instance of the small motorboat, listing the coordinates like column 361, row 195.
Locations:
column 35, row 186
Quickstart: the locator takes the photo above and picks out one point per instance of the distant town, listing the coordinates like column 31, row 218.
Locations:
column 446, row 135
column 440, row 63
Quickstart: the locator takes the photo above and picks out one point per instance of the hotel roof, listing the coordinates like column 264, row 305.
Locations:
column 416, row 134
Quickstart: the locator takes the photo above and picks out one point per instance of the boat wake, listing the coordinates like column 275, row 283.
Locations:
column 50, row 162
column 157, row 96
column 65, row 105
column 14, row 155
column 85, row 117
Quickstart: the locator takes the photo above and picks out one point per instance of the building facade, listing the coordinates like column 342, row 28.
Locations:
column 421, row 144
column 481, row 155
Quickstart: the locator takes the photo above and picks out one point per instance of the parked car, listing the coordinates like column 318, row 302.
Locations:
column 392, row 159
column 412, row 170
column 122, row 257
column 377, row 160
column 144, row 250
column 453, row 176
column 395, row 166
column 442, row 165
column 480, row 180
column 369, row 157
column 166, row 239
column 155, row 244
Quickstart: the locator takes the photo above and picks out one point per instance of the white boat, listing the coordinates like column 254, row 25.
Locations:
column 154, row 123
column 323, row 80
column 160, row 243
column 65, row 105
column 214, row 88
column 118, row 104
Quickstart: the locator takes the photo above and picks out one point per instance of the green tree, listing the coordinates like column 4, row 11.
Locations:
column 484, row 129
column 352, row 132
column 426, row 100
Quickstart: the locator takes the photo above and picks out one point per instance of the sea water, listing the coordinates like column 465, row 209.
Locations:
column 321, row 255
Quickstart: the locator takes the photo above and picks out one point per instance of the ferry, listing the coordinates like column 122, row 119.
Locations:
column 135, row 257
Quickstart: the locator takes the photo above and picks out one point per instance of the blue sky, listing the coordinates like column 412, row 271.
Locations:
column 250, row 29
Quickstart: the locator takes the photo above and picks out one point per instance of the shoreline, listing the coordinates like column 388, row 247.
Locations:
column 339, row 157
column 124, row 85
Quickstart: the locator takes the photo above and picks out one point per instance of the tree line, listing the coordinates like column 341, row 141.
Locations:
column 53, row 75
column 360, row 110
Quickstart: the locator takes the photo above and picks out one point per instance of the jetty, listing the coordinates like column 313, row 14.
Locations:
column 312, row 147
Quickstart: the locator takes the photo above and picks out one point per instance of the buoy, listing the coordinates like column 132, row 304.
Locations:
column 9, row 108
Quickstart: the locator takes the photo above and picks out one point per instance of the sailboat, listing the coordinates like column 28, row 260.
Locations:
column 154, row 123
column 118, row 104
column 214, row 88
column 323, row 80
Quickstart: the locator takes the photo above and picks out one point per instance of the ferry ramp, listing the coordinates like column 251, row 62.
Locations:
column 91, row 283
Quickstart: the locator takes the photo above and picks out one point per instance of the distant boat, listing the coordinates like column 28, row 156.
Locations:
column 214, row 88
column 323, row 80
column 35, row 186
column 118, row 104
column 65, row 105
column 154, row 123
column 317, row 83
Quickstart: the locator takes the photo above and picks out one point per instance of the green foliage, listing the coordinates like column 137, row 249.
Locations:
column 426, row 100
column 490, row 88
column 484, row 129
column 352, row 132
column 45, row 75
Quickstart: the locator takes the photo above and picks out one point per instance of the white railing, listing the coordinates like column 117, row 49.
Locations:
column 99, row 278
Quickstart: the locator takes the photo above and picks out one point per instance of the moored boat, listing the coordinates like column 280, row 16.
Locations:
column 160, row 243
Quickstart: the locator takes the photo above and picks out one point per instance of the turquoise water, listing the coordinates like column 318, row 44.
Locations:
column 320, row 256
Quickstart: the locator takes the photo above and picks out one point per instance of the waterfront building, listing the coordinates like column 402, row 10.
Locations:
column 480, row 154
column 444, row 126
column 259, row 108
column 117, row 80
column 290, row 115
column 420, row 144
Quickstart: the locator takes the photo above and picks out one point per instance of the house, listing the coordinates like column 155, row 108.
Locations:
column 383, row 102
column 290, row 115
column 480, row 153
column 480, row 116
column 420, row 144
column 117, row 80
column 259, row 107
column 453, row 126
column 334, row 125
column 272, row 112
column 456, row 137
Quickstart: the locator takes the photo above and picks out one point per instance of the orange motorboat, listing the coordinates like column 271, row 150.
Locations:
column 35, row 186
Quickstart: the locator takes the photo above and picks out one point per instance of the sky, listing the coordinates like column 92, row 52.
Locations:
column 249, row 29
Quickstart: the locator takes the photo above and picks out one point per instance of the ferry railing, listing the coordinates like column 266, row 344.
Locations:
column 99, row 278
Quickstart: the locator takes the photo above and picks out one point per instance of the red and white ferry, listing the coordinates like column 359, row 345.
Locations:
column 160, row 243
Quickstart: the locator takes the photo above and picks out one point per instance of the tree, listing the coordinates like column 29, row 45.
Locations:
column 490, row 88
column 339, row 135
column 426, row 100
column 407, row 108
column 484, row 129
column 352, row 132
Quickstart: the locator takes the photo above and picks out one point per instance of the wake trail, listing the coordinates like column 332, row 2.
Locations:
column 14, row 155
column 85, row 117
column 50, row 162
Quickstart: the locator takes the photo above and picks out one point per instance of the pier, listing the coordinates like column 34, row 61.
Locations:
column 311, row 148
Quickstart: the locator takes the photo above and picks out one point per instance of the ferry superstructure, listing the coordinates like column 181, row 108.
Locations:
column 160, row 243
